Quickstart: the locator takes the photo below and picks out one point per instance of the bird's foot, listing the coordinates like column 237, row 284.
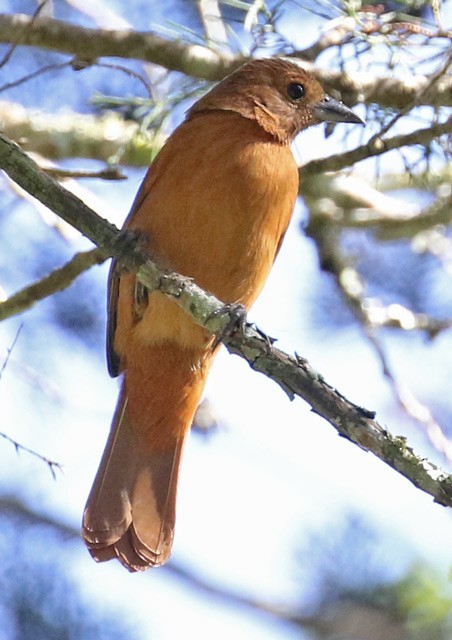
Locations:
column 236, row 321
column 131, row 241
column 268, row 339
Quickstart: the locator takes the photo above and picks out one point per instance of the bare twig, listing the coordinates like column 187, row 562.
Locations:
column 417, row 100
column 20, row 447
column 9, row 351
column 336, row 33
column 293, row 374
column 34, row 74
column 14, row 44
column 110, row 173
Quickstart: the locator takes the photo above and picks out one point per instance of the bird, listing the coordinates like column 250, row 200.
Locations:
column 214, row 206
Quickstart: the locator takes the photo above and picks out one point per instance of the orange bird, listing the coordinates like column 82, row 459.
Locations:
column 214, row 205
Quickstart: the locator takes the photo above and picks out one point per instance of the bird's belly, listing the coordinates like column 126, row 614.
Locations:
column 234, row 270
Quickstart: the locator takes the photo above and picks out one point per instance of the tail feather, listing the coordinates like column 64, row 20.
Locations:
column 130, row 512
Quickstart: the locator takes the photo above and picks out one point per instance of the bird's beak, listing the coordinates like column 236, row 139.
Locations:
column 330, row 110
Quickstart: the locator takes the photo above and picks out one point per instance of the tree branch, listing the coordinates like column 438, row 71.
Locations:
column 293, row 374
column 322, row 622
column 90, row 44
column 347, row 202
column 352, row 287
column 380, row 146
column 56, row 281
column 203, row 62
column 212, row 20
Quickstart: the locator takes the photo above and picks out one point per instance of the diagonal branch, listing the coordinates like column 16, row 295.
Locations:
column 212, row 20
column 379, row 146
column 52, row 465
column 55, row 281
column 292, row 373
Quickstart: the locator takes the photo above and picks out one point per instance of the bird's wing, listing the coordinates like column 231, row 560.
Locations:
column 113, row 361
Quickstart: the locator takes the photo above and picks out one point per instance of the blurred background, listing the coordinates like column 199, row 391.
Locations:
column 284, row 529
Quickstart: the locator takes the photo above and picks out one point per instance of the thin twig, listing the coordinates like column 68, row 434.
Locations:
column 9, row 351
column 33, row 74
column 417, row 100
column 20, row 447
column 7, row 57
column 110, row 173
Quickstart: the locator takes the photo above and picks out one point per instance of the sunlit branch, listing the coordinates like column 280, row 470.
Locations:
column 90, row 44
column 349, row 202
column 213, row 23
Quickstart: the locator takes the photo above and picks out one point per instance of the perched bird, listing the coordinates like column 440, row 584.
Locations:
column 215, row 205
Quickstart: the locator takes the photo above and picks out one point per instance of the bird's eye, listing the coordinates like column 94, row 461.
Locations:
column 295, row 91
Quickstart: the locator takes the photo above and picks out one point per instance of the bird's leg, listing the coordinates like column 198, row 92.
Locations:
column 131, row 241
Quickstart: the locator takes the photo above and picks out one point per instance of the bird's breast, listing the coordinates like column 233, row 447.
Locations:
column 219, row 203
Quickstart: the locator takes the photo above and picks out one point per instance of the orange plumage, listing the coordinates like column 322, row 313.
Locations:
column 214, row 206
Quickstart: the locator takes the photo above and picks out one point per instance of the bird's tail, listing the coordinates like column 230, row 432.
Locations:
column 130, row 512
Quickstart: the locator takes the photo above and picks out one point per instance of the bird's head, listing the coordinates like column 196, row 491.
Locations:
column 280, row 95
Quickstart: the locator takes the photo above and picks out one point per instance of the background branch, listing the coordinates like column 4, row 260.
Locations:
column 56, row 281
column 203, row 62
column 78, row 135
column 90, row 44
column 379, row 146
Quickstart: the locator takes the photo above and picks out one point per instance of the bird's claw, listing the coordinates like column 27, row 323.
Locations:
column 268, row 339
column 236, row 322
